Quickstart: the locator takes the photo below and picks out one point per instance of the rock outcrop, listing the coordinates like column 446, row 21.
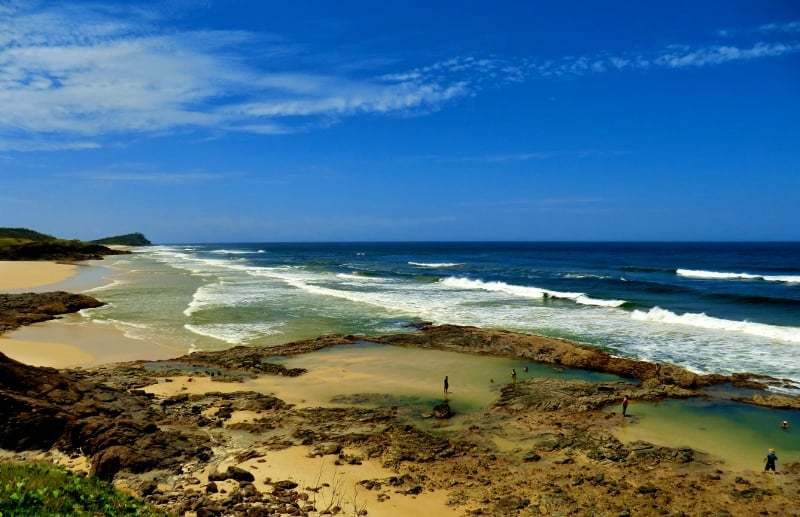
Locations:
column 17, row 310
column 42, row 408
column 129, row 239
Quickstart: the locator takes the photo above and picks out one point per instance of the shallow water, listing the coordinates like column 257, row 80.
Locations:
column 372, row 374
column 740, row 433
column 410, row 376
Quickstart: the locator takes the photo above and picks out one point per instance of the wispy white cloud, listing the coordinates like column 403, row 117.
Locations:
column 158, row 178
column 38, row 144
column 793, row 26
column 71, row 72
column 74, row 76
column 525, row 156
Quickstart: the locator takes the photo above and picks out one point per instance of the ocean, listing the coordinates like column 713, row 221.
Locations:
column 710, row 307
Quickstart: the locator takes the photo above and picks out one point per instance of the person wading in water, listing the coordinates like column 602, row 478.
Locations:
column 446, row 386
column 625, row 406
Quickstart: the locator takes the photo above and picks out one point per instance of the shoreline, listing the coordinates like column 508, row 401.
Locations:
column 71, row 341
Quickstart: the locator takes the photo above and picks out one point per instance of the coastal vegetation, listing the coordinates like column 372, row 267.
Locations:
column 129, row 239
column 34, row 489
column 26, row 244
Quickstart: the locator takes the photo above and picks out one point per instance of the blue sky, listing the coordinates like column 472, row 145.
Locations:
column 305, row 121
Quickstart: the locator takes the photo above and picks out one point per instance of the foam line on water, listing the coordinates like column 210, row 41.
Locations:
column 110, row 285
column 702, row 320
column 436, row 265
column 237, row 252
column 526, row 291
column 235, row 333
column 721, row 275
column 361, row 278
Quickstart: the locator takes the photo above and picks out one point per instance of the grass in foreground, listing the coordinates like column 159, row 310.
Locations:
column 34, row 489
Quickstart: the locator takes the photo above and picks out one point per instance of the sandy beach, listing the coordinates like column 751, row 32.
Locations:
column 16, row 275
column 71, row 341
column 75, row 343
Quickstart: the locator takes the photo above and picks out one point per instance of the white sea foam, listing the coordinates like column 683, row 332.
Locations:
column 235, row 333
column 526, row 291
column 225, row 292
column 719, row 275
column 110, row 285
column 129, row 329
column 237, row 252
column 89, row 311
column 436, row 265
column 360, row 278
column 701, row 320
column 584, row 275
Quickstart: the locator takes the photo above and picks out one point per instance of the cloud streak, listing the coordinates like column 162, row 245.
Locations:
column 154, row 178
column 73, row 77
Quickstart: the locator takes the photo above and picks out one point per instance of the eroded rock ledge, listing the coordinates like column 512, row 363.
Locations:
column 17, row 310
column 43, row 408
column 241, row 362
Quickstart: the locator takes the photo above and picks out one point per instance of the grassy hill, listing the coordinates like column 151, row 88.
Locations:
column 24, row 234
column 25, row 244
column 129, row 239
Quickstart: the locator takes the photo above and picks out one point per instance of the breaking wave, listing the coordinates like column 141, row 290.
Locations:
column 719, row 275
column 234, row 333
column 701, row 320
column 436, row 265
column 237, row 252
column 526, row 292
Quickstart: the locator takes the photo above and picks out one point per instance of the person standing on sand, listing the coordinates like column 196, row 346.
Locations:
column 446, row 386
column 771, row 459
column 625, row 406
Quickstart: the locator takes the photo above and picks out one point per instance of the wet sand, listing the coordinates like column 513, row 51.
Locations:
column 71, row 341
column 75, row 342
column 18, row 275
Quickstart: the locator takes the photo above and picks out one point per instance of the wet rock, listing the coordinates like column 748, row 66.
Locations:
column 285, row 485
column 211, row 487
column 530, row 457
column 442, row 410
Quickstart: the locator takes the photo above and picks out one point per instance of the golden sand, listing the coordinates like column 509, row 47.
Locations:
column 337, row 485
column 54, row 355
column 16, row 275
column 73, row 342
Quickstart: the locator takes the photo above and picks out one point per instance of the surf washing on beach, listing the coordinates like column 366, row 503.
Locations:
column 635, row 300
